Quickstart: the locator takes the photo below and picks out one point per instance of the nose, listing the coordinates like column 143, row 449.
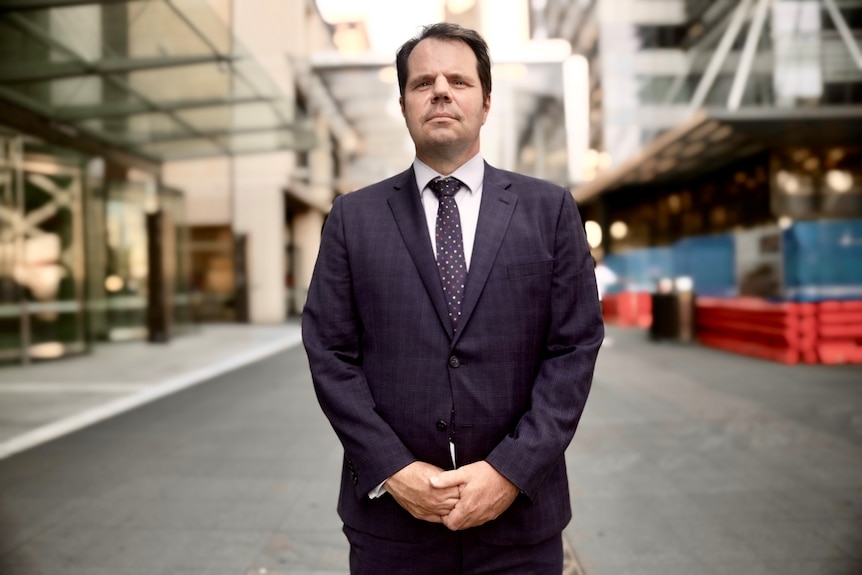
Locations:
column 441, row 88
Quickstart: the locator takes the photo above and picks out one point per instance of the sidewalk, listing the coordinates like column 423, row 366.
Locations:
column 45, row 401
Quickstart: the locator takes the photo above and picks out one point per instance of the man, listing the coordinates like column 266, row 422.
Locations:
column 455, row 383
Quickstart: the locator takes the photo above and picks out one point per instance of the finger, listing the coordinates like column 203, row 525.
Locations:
column 448, row 479
column 454, row 520
column 447, row 496
column 447, row 506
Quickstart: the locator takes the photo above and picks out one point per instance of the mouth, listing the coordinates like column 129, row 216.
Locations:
column 440, row 116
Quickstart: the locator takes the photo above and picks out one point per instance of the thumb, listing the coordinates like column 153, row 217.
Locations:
column 448, row 479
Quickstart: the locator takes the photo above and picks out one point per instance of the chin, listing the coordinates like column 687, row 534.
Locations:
column 441, row 142
column 442, row 133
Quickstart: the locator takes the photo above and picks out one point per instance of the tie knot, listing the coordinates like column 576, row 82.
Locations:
column 445, row 186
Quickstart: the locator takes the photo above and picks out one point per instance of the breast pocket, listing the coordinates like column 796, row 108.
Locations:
column 530, row 269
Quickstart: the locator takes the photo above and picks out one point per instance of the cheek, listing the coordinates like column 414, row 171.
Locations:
column 409, row 110
column 482, row 115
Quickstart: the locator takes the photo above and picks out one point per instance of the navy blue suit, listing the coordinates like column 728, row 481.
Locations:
column 508, row 388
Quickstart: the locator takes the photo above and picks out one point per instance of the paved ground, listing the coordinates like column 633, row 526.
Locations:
column 688, row 460
column 695, row 461
column 48, row 400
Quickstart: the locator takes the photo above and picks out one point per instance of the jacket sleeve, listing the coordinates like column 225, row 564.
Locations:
column 332, row 337
column 560, row 389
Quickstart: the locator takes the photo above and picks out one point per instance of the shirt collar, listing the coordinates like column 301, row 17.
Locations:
column 471, row 173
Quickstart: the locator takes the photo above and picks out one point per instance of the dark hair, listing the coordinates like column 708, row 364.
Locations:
column 452, row 32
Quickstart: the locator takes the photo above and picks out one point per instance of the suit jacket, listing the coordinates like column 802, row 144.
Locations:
column 509, row 387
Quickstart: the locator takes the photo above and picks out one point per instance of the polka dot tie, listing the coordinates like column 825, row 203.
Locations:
column 450, row 246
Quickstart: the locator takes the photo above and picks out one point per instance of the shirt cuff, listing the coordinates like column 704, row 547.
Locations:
column 378, row 491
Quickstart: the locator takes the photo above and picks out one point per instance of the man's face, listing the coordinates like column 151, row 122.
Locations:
column 443, row 103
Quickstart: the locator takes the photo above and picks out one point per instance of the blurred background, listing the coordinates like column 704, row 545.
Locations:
column 166, row 163
column 166, row 167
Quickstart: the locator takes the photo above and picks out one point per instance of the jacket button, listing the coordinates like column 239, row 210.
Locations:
column 441, row 425
column 454, row 361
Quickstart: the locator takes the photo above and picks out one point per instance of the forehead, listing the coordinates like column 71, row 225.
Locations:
column 437, row 55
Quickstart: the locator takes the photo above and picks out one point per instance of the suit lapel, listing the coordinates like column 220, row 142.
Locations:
column 406, row 206
column 495, row 212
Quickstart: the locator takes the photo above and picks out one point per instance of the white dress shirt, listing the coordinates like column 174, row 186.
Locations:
column 468, row 199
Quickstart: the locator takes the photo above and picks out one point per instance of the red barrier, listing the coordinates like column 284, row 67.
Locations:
column 788, row 332
column 628, row 309
column 839, row 332
column 610, row 308
column 756, row 349
column 634, row 309
column 784, row 332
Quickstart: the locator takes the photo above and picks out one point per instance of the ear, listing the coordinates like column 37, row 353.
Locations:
column 401, row 103
column 486, row 107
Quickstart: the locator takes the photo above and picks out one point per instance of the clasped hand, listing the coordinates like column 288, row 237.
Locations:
column 466, row 497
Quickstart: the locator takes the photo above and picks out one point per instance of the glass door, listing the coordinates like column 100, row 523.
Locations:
column 41, row 253
column 126, row 273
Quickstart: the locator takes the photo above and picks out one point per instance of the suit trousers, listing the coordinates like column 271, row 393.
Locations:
column 452, row 553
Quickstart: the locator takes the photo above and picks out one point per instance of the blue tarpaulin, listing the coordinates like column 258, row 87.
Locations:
column 823, row 260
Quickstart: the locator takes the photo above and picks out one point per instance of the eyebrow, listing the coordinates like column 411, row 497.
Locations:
column 451, row 77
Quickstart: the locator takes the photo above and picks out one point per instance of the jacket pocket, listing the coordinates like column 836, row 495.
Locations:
column 530, row 269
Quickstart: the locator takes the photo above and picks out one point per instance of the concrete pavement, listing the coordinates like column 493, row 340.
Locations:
column 44, row 401
column 691, row 460
column 688, row 460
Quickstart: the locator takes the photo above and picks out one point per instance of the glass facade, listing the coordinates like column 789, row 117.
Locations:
column 146, row 90
column 42, row 247
column 159, row 79
column 74, row 261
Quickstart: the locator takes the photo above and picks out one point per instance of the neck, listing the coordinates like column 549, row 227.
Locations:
column 445, row 164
